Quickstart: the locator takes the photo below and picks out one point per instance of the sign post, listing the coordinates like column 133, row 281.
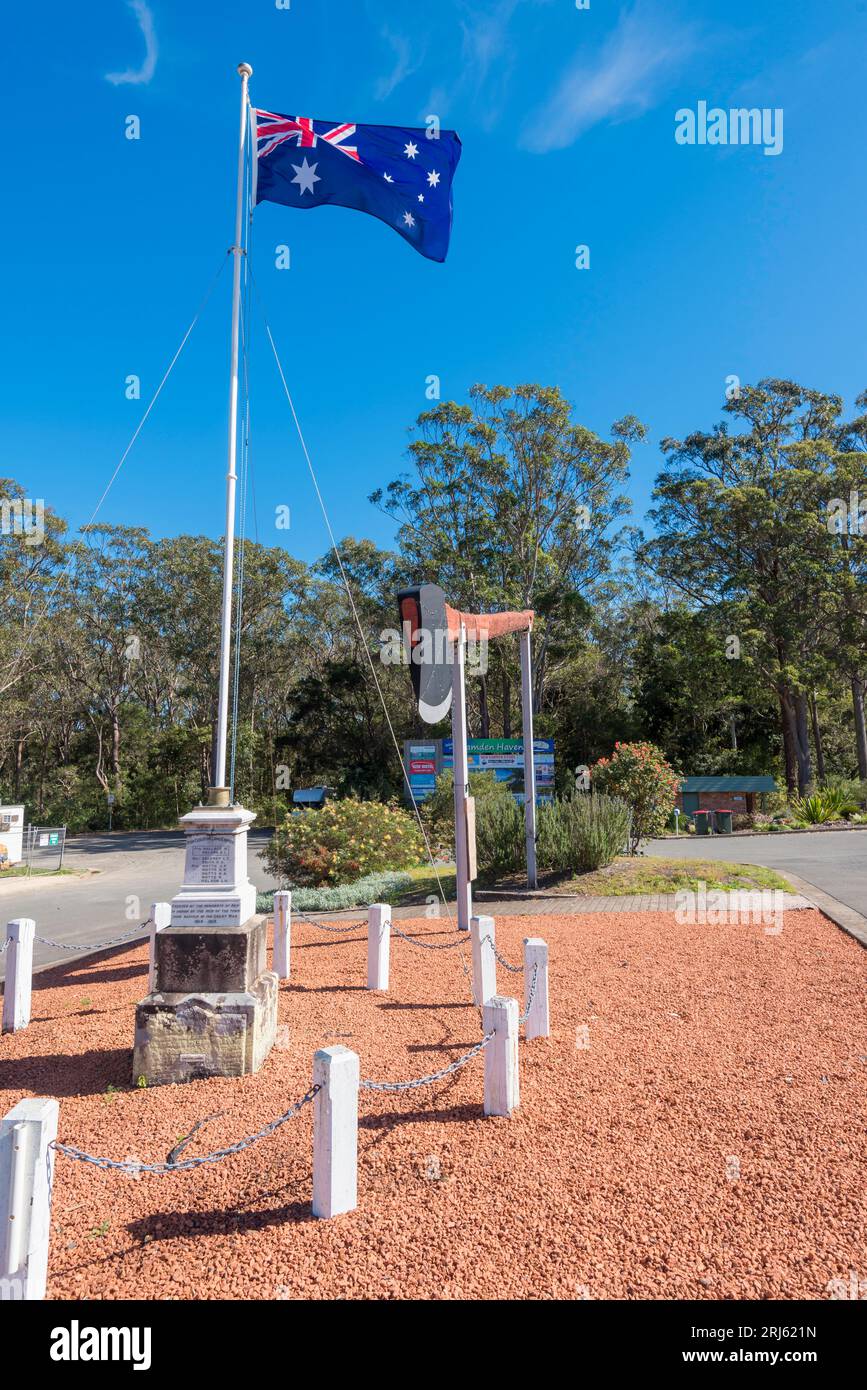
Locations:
column 529, row 759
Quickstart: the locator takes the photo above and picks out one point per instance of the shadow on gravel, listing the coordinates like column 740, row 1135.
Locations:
column 55, row 1074
column 458, row 1113
column 174, row 1225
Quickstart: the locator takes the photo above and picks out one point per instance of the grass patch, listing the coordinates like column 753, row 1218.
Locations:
column 22, row 871
column 646, row 874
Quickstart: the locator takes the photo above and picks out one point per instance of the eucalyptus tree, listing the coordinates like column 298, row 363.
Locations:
column 512, row 505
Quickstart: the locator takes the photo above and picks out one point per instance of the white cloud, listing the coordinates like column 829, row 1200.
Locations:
column 405, row 63
column 636, row 62
column 148, row 67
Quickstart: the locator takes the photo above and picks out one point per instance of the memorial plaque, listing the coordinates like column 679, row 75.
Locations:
column 210, row 859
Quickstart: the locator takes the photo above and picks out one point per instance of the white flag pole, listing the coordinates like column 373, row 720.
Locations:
column 219, row 793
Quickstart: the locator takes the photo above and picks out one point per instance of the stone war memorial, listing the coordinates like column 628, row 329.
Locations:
column 213, row 1009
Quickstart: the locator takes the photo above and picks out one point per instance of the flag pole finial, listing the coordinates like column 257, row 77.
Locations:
column 245, row 70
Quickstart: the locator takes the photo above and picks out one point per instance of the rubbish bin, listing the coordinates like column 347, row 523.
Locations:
column 702, row 822
column 723, row 822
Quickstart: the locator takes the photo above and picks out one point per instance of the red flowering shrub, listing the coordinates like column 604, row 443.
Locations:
column 639, row 774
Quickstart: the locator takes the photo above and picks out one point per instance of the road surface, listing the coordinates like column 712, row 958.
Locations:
column 123, row 874
column 835, row 861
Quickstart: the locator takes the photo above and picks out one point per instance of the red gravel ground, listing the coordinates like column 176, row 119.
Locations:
column 693, row 1128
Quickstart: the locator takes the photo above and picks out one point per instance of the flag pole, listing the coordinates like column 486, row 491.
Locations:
column 219, row 792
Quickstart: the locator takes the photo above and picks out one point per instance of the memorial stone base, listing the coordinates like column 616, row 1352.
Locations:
column 213, row 1010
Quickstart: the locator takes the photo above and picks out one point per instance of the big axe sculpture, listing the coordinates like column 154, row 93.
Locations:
column 435, row 636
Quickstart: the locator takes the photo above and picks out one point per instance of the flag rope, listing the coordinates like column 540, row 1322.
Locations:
column 345, row 578
column 64, row 573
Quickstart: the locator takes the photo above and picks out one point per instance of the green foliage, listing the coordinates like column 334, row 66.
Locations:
column 372, row 888
column 581, row 832
column 640, row 775
column 438, row 811
column 500, row 835
column 342, row 841
column 826, row 804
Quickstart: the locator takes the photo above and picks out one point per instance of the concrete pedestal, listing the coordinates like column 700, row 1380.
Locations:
column 213, row 1008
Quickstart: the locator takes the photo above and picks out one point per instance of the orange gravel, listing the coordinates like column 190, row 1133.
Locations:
column 693, row 1128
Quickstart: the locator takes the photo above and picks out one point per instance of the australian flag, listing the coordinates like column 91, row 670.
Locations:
column 396, row 173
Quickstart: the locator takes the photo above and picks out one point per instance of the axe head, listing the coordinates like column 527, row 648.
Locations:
column 424, row 628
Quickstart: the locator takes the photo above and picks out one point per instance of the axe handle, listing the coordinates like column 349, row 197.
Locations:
column 487, row 624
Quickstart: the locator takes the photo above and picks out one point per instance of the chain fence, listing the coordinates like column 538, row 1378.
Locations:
column 132, row 1168
column 429, row 945
column 323, row 926
column 87, row 945
column 531, row 996
column 413, row 1085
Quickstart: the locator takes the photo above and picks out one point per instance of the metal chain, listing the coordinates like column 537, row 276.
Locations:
column 131, row 1167
column 434, row 1076
column 95, row 945
column 532, row 995
column 427, row 945
column 339, row 931
column 515, row 969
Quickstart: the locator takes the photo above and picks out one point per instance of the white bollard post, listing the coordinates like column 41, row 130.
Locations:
column 536, row 959
column 502, row 1092
column 282, row 934
column 378, row 945
column 335, row 1131
column 26, row 1173
column 161, row 916
column 484, row 960
column 19, row 974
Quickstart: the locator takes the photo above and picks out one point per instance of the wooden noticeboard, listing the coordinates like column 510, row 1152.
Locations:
column 472, row 872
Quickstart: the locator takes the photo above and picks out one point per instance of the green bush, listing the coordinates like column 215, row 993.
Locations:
column 438, row 811
column 639, row 773
column 500, row 839
column 341, row 842
column 373, row 888
column 579, row 833
column 827, row 804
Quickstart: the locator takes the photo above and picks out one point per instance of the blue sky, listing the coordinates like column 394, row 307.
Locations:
column 705, row 260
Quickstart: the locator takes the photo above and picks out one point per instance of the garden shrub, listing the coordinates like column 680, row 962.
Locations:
column 438, row 811
column 639, row 773
column 581, row 832
column 341, row 842
column 373, row 888
column 827, row 804
column 500, row 838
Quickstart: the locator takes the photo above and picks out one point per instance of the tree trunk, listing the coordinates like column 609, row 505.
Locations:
column 507, row 707
column 19, row 763
column 733, row 730
column 817, row 739
column 802, row 742
column 860, row 730
column 115, row 749
column 484, row 713
column 787, row 723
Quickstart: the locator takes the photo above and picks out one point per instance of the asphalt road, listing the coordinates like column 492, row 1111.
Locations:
column 835, row 860
column 123, row 874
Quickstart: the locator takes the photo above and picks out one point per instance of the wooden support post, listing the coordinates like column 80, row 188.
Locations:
column 335, row 1131
column 483, row 937
column 462, row 782
column 19, row 974
column 378, row 943
column 536, row 959
column 161, row 916
column 26, row 1173
column 529, row 761
column 282, row 935
column 502, row 1093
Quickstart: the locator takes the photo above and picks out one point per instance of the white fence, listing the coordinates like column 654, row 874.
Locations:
column 28, row 1141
